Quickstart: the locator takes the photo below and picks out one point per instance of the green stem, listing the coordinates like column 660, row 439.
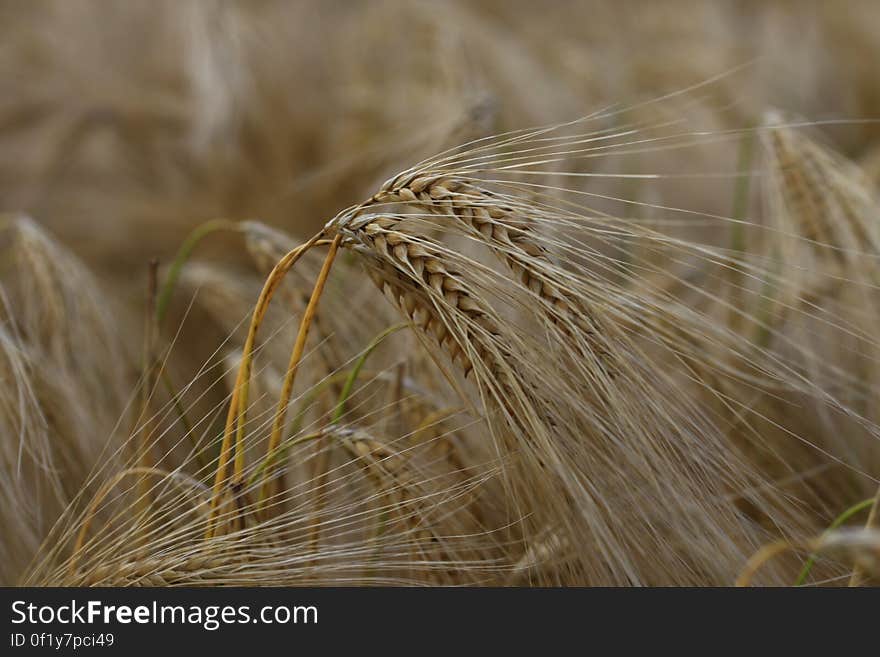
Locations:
column 838, row 521
column 358, row 366
column 186, row 249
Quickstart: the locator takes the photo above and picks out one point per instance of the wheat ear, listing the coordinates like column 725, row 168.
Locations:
column 508, row 230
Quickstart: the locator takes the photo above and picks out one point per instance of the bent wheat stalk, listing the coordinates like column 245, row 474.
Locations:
column 296, row 355
column 235, row 419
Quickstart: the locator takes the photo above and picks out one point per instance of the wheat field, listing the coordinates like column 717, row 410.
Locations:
column 439, row 293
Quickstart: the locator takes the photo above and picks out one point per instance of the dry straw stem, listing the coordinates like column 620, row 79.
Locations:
column 278, row 424
column 340, row 323
column 235, row 419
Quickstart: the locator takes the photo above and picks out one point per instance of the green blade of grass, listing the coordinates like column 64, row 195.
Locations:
column 183, row 254
column 358, row 366
column 311, row 395
column 838, row 521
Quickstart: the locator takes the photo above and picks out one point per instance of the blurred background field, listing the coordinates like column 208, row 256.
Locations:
column 125, row 125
